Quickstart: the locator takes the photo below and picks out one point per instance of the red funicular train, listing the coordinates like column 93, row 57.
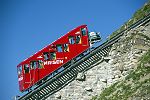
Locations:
column 50, row 59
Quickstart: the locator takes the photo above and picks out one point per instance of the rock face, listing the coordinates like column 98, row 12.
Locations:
column 123, row 58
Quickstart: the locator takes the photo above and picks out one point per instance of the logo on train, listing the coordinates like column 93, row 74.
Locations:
column 53, row 62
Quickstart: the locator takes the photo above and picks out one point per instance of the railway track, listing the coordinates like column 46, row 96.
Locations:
column 60, row 80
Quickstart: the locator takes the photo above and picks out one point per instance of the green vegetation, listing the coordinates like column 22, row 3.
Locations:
column 139, row 14
column 136, row 84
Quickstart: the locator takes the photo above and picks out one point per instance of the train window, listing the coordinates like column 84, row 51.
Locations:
column 53, row 47
column 19, row 69
column 46, row 55
column 26, row 68
column 83, row 31
column 66, row 48
column 52, row 55
column 33, row 65
column 71, row 40
column 78, row 39
column 40, row 64
column 59, row 48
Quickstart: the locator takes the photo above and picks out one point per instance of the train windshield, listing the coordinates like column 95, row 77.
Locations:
column 19, row 69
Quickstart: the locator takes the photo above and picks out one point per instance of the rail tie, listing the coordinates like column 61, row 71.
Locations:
column 70, row 72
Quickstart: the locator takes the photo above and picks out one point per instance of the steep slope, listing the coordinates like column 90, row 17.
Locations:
column 120, row 67
column 139, row 14
column 135, row 86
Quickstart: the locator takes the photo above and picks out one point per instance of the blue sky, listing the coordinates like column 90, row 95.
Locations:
column 26, row 26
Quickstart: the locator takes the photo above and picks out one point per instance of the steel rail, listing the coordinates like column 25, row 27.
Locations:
column 56, row 83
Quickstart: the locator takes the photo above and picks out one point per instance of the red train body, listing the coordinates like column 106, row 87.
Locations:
column 52, row 57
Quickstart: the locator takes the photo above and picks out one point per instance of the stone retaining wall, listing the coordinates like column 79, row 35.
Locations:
column 123, row 58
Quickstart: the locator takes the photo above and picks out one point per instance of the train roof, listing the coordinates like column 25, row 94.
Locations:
column 40, row 51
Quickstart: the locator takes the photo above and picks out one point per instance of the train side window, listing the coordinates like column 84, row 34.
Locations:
column 59, row 48
column 19, row 69
column 40, row 64
column 71, row 40
column 78, row 39
column 83, row 31
column 33, row 65
column 26, row 68
column 53, row 47
column 52, row 56
column 46, row 55
column 66, row 48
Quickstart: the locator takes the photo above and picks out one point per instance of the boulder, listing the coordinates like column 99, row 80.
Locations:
column 81, row 77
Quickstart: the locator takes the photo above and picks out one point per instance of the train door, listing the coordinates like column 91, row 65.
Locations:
column 27, row 80
column 34, row 72
column 59, row 54
column 20, row 77
column 72, row 47
column 78, row 43
column 66, row 52
column 84, row 38
column 41, row 69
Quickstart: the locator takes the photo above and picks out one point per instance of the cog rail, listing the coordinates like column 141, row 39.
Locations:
column 70, row 72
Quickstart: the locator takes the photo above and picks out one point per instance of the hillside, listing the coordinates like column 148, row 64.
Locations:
column 135, row 86
column 139, row 14
column 124, row 73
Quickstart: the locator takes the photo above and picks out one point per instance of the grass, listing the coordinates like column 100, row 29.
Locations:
column 139, row 14
column 137, row 83
column 124, row 90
